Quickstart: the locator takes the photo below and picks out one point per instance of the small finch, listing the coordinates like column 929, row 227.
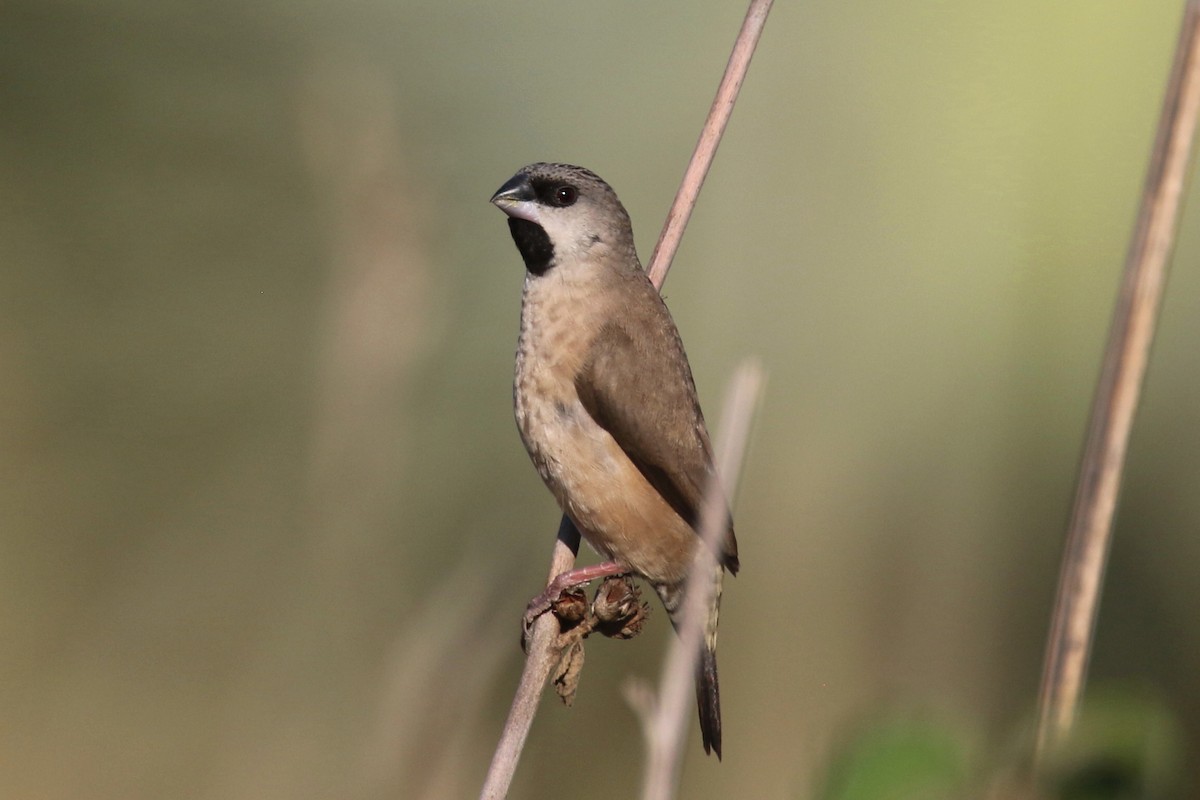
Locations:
column 605, row 401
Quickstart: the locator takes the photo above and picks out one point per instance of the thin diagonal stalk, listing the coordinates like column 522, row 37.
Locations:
column 1117, row 393
column 710, row 138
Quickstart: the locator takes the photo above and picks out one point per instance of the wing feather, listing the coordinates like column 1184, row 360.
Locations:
column 640, row 390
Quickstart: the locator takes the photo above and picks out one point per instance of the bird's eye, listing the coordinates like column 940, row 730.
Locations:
column 565, row 196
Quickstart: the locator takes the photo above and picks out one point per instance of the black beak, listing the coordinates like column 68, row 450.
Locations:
column 515, row 189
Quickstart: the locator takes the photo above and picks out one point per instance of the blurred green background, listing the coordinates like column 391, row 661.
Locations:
column 266, row 528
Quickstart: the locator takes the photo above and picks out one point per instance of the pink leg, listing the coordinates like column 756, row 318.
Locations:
column 568, row 580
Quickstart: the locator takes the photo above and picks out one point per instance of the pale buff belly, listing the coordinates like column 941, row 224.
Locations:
column 615, row 507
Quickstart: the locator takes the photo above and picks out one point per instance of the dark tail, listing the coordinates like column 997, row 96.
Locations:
column 708, row 692
column 708, row 701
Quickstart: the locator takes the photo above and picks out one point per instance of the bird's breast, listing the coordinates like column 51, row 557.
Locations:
column 553, row 343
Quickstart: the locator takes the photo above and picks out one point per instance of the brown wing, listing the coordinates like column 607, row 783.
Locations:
column 639, row 388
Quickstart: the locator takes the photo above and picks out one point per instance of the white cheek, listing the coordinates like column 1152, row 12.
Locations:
column 560, row 235
column 564, row 239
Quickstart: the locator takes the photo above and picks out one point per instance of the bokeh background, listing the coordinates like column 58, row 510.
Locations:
column 266, row 528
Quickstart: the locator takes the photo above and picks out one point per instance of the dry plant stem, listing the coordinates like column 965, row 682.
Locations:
column 1117, row 393
column 710, row 137
column 666, row 723
column 540, row 656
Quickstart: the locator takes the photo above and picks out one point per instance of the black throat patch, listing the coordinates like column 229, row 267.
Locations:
column 533, row 244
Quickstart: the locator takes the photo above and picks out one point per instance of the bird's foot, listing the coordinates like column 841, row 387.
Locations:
column 549, row 598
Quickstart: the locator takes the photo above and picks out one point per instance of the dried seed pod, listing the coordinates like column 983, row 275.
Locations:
column 568, row 671
column 618, row 608
column 570, row 608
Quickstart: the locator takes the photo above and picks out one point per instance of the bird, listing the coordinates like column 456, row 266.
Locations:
column 605, row 402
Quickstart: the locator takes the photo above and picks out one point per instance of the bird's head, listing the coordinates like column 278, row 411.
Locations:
column 560, row 213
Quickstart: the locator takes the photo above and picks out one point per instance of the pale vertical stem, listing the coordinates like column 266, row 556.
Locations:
column 1089, row 533
column 665, row 721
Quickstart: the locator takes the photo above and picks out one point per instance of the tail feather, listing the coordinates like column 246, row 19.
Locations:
column 708, row 692
column 708, row 701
